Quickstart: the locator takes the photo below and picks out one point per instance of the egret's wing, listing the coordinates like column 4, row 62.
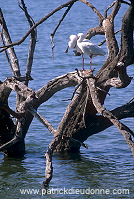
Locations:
column 94, row 49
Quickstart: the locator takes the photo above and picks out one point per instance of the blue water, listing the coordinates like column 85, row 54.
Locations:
column 108, row 162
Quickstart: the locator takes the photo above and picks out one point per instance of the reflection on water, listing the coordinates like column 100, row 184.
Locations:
column 90, row 169
column 11, row 166
column 108, row 163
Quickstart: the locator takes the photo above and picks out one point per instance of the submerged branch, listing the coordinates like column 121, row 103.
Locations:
column 49, row 167
column 76, row 141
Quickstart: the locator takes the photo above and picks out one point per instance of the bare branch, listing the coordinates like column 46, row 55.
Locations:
column 102, row 123
column 115, row 10
column 105, row 39
column 10, row 143
column 42, row 120
column 130, row 100
column 13, row 58
column 115, row 56
column 43, row 94
column 125, row 2
column 110, row 6
column 95, row 31
column 18, row 87
column 68, row 80
column 6, row 53
column 32, row 42
column 52, row 34
column 37, row 24
column 94, row 9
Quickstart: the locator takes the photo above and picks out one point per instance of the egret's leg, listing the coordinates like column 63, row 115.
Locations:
column 91, row 61
column 66, row 51
column 82, row 62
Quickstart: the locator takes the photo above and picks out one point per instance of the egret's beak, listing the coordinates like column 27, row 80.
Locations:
column 77, row 37
column 66, row 51
column 75, row 45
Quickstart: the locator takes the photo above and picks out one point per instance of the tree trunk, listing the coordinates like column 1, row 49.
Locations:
column 85, row 115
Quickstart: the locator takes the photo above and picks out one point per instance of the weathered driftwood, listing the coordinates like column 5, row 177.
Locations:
column 81, row 118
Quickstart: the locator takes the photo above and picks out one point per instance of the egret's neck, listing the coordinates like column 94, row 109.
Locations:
column 80, row 39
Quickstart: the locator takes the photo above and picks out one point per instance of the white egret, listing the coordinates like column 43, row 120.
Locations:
column 73, row 44
column 88, row 48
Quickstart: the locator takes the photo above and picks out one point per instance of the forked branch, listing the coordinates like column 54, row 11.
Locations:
column 32, row 41
column 94, row 9
column 102, row 110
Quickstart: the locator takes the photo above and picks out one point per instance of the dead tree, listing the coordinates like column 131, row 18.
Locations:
column 85, row 115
